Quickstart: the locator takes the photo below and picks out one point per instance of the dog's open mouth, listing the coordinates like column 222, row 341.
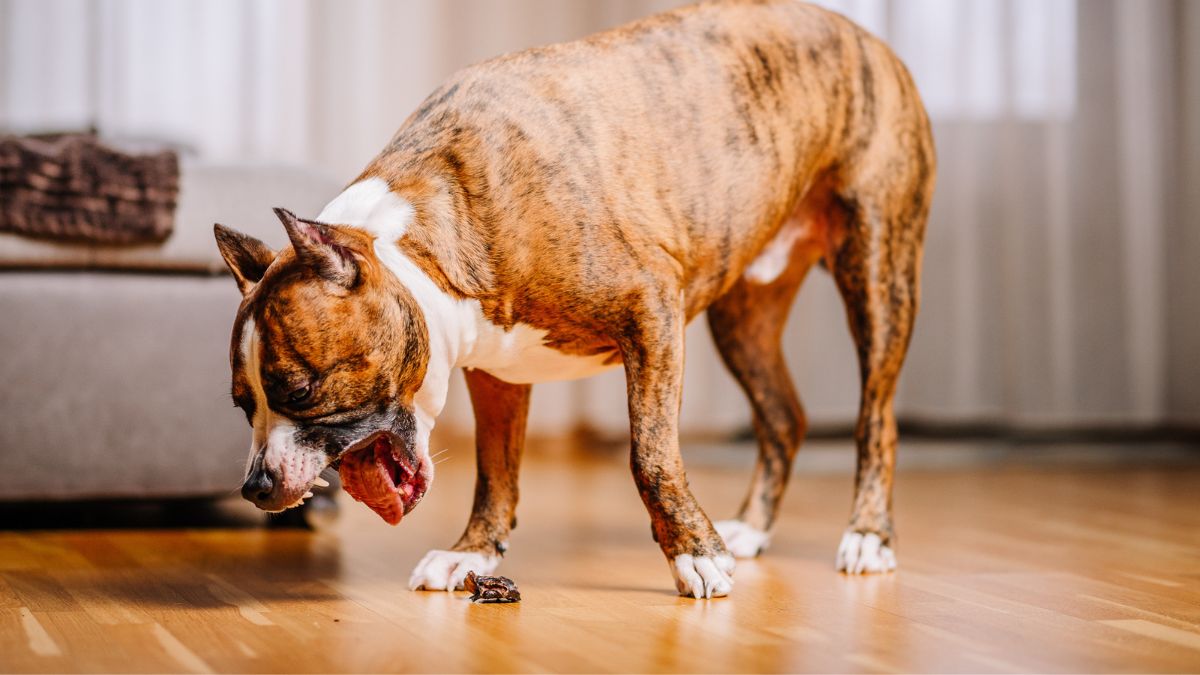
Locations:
column 383, row 477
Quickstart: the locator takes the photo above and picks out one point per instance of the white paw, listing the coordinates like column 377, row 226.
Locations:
column 446, row 570
column 703, row 577
column 742, row 540
column 864, row 554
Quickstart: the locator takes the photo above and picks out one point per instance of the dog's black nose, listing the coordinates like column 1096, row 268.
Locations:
column 259, row 484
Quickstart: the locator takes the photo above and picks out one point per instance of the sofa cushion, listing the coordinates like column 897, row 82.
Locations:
column 240, row 196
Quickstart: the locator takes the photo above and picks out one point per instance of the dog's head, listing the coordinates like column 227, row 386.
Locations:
column 328, row 352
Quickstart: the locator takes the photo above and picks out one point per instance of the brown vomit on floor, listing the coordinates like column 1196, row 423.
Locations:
column 491, row 589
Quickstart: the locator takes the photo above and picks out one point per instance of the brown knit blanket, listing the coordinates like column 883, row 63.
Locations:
column 72, row 187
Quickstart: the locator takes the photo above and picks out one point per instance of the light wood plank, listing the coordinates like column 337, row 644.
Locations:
column 1002, row 569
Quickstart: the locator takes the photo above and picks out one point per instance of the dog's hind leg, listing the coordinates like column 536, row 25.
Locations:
column 747, row 326
column 501, row 410
column 877, row 270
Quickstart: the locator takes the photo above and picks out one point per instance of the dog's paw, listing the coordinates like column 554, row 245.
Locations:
column 864, row 554
column 742, row 540
column 703, row 576
column 446, row 570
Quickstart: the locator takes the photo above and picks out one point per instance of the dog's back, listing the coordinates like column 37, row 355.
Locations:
column 695, row 131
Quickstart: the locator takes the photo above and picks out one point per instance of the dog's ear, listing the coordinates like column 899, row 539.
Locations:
column 316, row 245
column 247, row 257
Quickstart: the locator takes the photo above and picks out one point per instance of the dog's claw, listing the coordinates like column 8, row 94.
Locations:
column 742, row 540
column 447, row 570
column 864, row 554
column 703, row 576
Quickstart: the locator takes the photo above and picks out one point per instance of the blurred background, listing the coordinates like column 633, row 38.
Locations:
column 1061, row 288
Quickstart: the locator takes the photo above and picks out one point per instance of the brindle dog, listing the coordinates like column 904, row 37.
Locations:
column 553, row 212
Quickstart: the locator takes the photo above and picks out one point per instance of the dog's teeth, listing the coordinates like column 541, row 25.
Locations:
column 307, row 494
column 321, row 482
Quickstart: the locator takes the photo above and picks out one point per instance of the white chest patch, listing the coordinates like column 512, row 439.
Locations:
column 775, row 256
column 521, row 356
column 371, row 205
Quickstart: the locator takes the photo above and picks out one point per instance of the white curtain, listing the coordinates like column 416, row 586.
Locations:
column 1061, row 283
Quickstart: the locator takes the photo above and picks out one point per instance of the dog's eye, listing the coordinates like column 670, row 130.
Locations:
column 299, row 394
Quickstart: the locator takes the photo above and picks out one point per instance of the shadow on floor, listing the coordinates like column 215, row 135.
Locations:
column 126, row 514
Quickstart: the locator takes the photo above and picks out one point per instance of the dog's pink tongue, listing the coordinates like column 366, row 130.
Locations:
column 366, row 478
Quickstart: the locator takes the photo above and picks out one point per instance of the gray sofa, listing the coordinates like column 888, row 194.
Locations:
column 114, row 375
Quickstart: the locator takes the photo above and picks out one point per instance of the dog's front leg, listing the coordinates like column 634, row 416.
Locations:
column 500, row 413
column 653, row 355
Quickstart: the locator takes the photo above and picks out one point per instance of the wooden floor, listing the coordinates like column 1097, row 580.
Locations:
column 1002, row 569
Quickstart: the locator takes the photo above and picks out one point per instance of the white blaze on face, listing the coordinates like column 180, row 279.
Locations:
column 250, row 362
column 273, row 434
